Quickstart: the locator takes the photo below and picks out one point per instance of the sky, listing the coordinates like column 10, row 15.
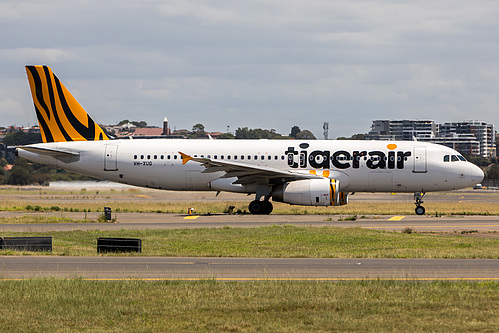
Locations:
column 257, row 64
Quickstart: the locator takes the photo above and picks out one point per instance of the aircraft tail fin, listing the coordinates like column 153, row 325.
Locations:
column 60, row 116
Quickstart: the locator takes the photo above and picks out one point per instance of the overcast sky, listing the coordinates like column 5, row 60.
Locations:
column 262, row 64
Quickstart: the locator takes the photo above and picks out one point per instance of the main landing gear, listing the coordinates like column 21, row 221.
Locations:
column 418, row 196
column 260, row 207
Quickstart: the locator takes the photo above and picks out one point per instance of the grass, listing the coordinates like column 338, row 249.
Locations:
column 55, row 305
column 278, row 242
column 31, row 219
column 353, row 208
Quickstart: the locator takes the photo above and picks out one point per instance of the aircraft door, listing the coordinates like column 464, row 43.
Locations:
column 419, row 160
column 110, row 158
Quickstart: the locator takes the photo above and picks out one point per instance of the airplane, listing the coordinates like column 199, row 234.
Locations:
column 297, row 172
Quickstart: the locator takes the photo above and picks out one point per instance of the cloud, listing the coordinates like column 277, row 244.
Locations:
column 259, row 63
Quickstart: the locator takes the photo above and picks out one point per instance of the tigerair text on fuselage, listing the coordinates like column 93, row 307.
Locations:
column 342, row 159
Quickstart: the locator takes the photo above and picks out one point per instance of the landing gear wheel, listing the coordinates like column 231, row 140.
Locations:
column 267, row 207
column 418, row 197
column 420, row 210
column 260, row 207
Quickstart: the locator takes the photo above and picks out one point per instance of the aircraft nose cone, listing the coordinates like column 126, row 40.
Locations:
column 475, row 174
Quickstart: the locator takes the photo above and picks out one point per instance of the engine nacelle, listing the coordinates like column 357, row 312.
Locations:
column 343, row 198
column 311, row 192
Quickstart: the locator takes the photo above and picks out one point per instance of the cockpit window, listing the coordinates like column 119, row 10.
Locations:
column 454, row 158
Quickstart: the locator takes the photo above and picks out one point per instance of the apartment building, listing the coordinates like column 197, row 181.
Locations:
column 473, row 138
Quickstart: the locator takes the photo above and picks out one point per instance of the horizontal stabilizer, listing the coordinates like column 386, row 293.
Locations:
column 49, row 152
column 63, row 155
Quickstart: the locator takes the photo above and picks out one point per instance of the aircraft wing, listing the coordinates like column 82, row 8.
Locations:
column 247, row 173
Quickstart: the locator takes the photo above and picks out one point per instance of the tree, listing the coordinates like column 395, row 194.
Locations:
column 226, row 136
column 20, row 173
column 294, row 131
column 478, row 160
column 20, row 138
column 257, row 133
column 493, row 172
column 359, row 136
column 306, row 134
column 140, row 124
column 198, row 128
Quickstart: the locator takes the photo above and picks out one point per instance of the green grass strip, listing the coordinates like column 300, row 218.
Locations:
column 279, row 242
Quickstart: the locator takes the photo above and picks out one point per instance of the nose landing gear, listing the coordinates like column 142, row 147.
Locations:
column 418, row 196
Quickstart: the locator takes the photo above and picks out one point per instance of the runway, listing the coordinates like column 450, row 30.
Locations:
column 135, row 221
column 247, row 269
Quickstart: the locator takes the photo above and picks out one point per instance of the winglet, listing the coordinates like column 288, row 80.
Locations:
column 185, row 158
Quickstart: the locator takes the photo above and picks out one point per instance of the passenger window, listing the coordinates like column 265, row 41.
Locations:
column 269, row 158
column 221, row 157
column 275, row 157
column 242, row 157
column 282, row 157
column 169, row 156
column 141, row 157
column 235, row 157
column 174, row 157
column 148, row 157
column 134, row 157
column 162, row 157
column 263, row 157
column 446, row 158
column 228, row 157
column 155, row 157
column 215, row 157
column 249, row 157
column 256, row 157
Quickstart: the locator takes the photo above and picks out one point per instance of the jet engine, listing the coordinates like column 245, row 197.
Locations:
column 310, row 192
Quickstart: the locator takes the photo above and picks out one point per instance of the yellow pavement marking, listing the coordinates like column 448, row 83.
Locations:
column 396, row 218
column 191, row 217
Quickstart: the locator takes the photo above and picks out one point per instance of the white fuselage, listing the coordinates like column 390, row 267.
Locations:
column 360, row 166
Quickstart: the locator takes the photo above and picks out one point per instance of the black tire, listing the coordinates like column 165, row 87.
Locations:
column 420, row 210
column 267, row 207
column 260, row 207
column 256, row 207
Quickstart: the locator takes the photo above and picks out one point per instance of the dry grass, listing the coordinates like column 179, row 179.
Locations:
column 54, row 305
column 353, row 208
